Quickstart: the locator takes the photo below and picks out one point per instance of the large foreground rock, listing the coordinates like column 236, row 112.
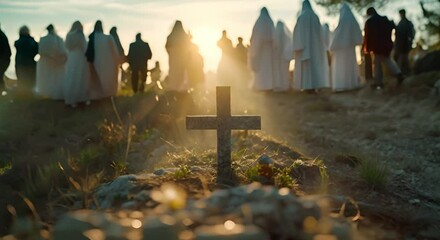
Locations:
column 264, row 212
column 429, row 63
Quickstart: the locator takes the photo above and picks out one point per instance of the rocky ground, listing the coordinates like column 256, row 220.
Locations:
column 397, row 128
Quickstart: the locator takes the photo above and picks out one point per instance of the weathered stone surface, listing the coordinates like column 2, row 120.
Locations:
column 75, row 225
column 264, row 159
column 428, row 63
column 223, row 123
column 160, row 228
column 274, row 212
column 117, row 189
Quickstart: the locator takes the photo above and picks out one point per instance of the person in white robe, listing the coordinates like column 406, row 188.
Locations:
column 104, row 57
column 283, row 39
column 326, row 34
column 51, row 65
column 262, row 52
column 311, row 64
column 77, row 78
column 178, row 48
column 348, row 34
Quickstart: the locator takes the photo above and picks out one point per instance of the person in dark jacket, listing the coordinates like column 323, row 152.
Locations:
column 138, row 55
column 5, row 57
column 377, row 39
column 25, row 65
column 403, row 42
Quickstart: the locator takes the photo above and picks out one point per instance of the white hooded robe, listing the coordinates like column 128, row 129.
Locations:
column 51, row 67
column 76, row 84
column 262, row 52
column 311, row 63
column 348, row 34
column 283, row 39
column 105, row 67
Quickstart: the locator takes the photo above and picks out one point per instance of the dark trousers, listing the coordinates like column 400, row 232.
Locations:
column 26, row 77
column 380, row 60
column 4, row 64
column 402, row 60
column 135, row 81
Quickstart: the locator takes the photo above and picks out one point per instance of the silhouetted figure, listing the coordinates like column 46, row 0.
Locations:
column 241, row 59
column 5, row 57
column 225, row 70
column 177, row 46
column 403, row 43
column 77, row 79
column 122, row 57
column 241, row 51
column 262, row 52
column 25, row 65
column 156, row 73
column 104, row 58
column 196, row 75
column 377, row 39
column 138, row 56
column 310, row 52
column 51, row 65
column 283, row 55
column 114, row 34
column 348, row 34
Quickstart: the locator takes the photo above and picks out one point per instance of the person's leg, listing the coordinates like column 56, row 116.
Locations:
column 378, row 73
column 392, row 66
column 134, row 79
column 394, row 69
column 3, row 68
column 143, row 71
column 405, row 63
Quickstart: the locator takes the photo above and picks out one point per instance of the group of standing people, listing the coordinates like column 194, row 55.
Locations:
column 324, row 59
column 75, row 70
column 184, row 61
column 233, row 63
column 269, row 54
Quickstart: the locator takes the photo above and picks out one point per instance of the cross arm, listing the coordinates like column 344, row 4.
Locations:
column 245, row 122
column 201, row 122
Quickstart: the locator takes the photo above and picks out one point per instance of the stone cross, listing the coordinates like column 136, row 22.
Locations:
column 224, row 123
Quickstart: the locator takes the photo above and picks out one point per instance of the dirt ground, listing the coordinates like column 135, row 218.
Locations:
column 400, row 128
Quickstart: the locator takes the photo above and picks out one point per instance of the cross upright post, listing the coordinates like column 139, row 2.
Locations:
column 224, row 123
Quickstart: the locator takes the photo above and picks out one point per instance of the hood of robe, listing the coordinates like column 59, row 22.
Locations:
column 307, row 6
column 177, row 35
column 283, row 39
column 348, row 32
column 307, row 28
column 264, row 27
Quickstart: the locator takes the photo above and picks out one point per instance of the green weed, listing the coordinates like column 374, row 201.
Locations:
column 5, row 167
column 253, row 173
column 283, row 178
column 182, row 172
column 42, row 180
column 374, row 173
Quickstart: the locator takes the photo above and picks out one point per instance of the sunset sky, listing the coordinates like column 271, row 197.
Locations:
column 155, row 18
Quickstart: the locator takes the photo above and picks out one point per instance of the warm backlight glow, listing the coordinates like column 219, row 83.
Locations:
column 229, row 225
column 136, row 223
column 206, row 39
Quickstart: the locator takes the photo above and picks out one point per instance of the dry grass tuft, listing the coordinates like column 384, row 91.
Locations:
column 374, row 173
